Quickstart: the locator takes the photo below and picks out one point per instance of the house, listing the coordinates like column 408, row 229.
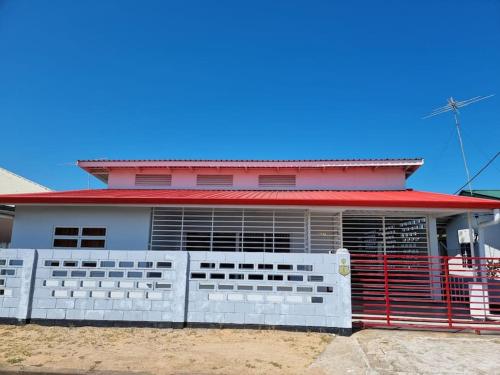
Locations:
column 457, row 239
column 11, row 183
column 252, row 242
column 282, row 206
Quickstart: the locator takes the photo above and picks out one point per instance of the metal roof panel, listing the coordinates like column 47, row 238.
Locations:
column 401, row 199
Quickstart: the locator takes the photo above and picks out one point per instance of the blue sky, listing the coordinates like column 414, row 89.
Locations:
column 247, row 79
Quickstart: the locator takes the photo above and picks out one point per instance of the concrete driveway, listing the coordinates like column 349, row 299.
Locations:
column 411, row 352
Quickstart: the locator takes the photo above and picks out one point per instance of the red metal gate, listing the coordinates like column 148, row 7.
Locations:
column 431, row 292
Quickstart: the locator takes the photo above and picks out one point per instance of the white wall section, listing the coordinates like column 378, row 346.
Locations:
column 126, row 227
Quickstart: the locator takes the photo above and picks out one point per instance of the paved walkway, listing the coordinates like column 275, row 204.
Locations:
column 411, row 352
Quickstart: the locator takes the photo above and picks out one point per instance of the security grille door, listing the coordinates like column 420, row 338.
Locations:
column 371, row 234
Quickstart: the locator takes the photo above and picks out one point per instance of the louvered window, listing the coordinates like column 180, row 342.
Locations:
column 273, row 181
column 214, row 180
column 153, row 180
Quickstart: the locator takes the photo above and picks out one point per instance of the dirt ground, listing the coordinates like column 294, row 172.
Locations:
column 33, row 348
column 158, row 351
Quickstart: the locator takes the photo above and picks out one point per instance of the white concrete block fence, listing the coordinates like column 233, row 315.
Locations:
column 174, row 288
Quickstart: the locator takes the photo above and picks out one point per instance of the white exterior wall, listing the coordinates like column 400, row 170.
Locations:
column 127, row 227
column 492, row 241
column 341, row 179
column 491, row 236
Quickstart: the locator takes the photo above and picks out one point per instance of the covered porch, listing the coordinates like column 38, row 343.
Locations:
column 296, row 230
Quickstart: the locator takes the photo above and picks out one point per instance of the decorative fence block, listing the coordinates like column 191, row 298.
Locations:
column 299, row 289
column 269, row 289
column 110, row 285
column 16, row 278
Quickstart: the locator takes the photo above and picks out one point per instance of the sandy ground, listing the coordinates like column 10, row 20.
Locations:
column 33, row 348
column 159, row 351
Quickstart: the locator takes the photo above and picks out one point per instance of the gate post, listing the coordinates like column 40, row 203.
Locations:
column 386, row 292
column 345, row 293
column 435, row 280
column 447, row 290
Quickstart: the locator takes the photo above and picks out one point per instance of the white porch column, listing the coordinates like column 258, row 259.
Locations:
column 471, row 234
column 433, row 248
column 433, row 237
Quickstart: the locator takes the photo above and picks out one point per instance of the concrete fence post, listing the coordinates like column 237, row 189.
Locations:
column 344, row 287
column 27, row 284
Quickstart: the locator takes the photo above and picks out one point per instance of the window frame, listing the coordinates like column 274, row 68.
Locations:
column 80, row 237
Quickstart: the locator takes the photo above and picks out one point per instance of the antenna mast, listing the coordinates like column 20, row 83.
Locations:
column 453, row 106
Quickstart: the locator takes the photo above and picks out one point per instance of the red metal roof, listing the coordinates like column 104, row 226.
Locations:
column 401, row 199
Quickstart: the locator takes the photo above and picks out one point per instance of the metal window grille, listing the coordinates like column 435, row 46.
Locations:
column 214, row 180
column 325, row 232
column 249, row 230
column 277, row 181
column 385, row 234
column 149, row 180
column 267, row 230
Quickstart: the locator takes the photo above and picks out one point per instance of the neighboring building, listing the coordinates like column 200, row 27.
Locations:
column 11, row 183
column 457, row 238
column 281, row 206
column 485, row 194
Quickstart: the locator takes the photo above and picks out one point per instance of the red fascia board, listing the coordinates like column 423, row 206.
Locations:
column 409, row 163
column 249, row 160
column 394, row 199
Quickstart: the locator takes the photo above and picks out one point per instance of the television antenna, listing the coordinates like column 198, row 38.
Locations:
column 453, row 106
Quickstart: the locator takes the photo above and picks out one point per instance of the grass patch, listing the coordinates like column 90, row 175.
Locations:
column 14, row 360
column 276, row 364
column 326, row 339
